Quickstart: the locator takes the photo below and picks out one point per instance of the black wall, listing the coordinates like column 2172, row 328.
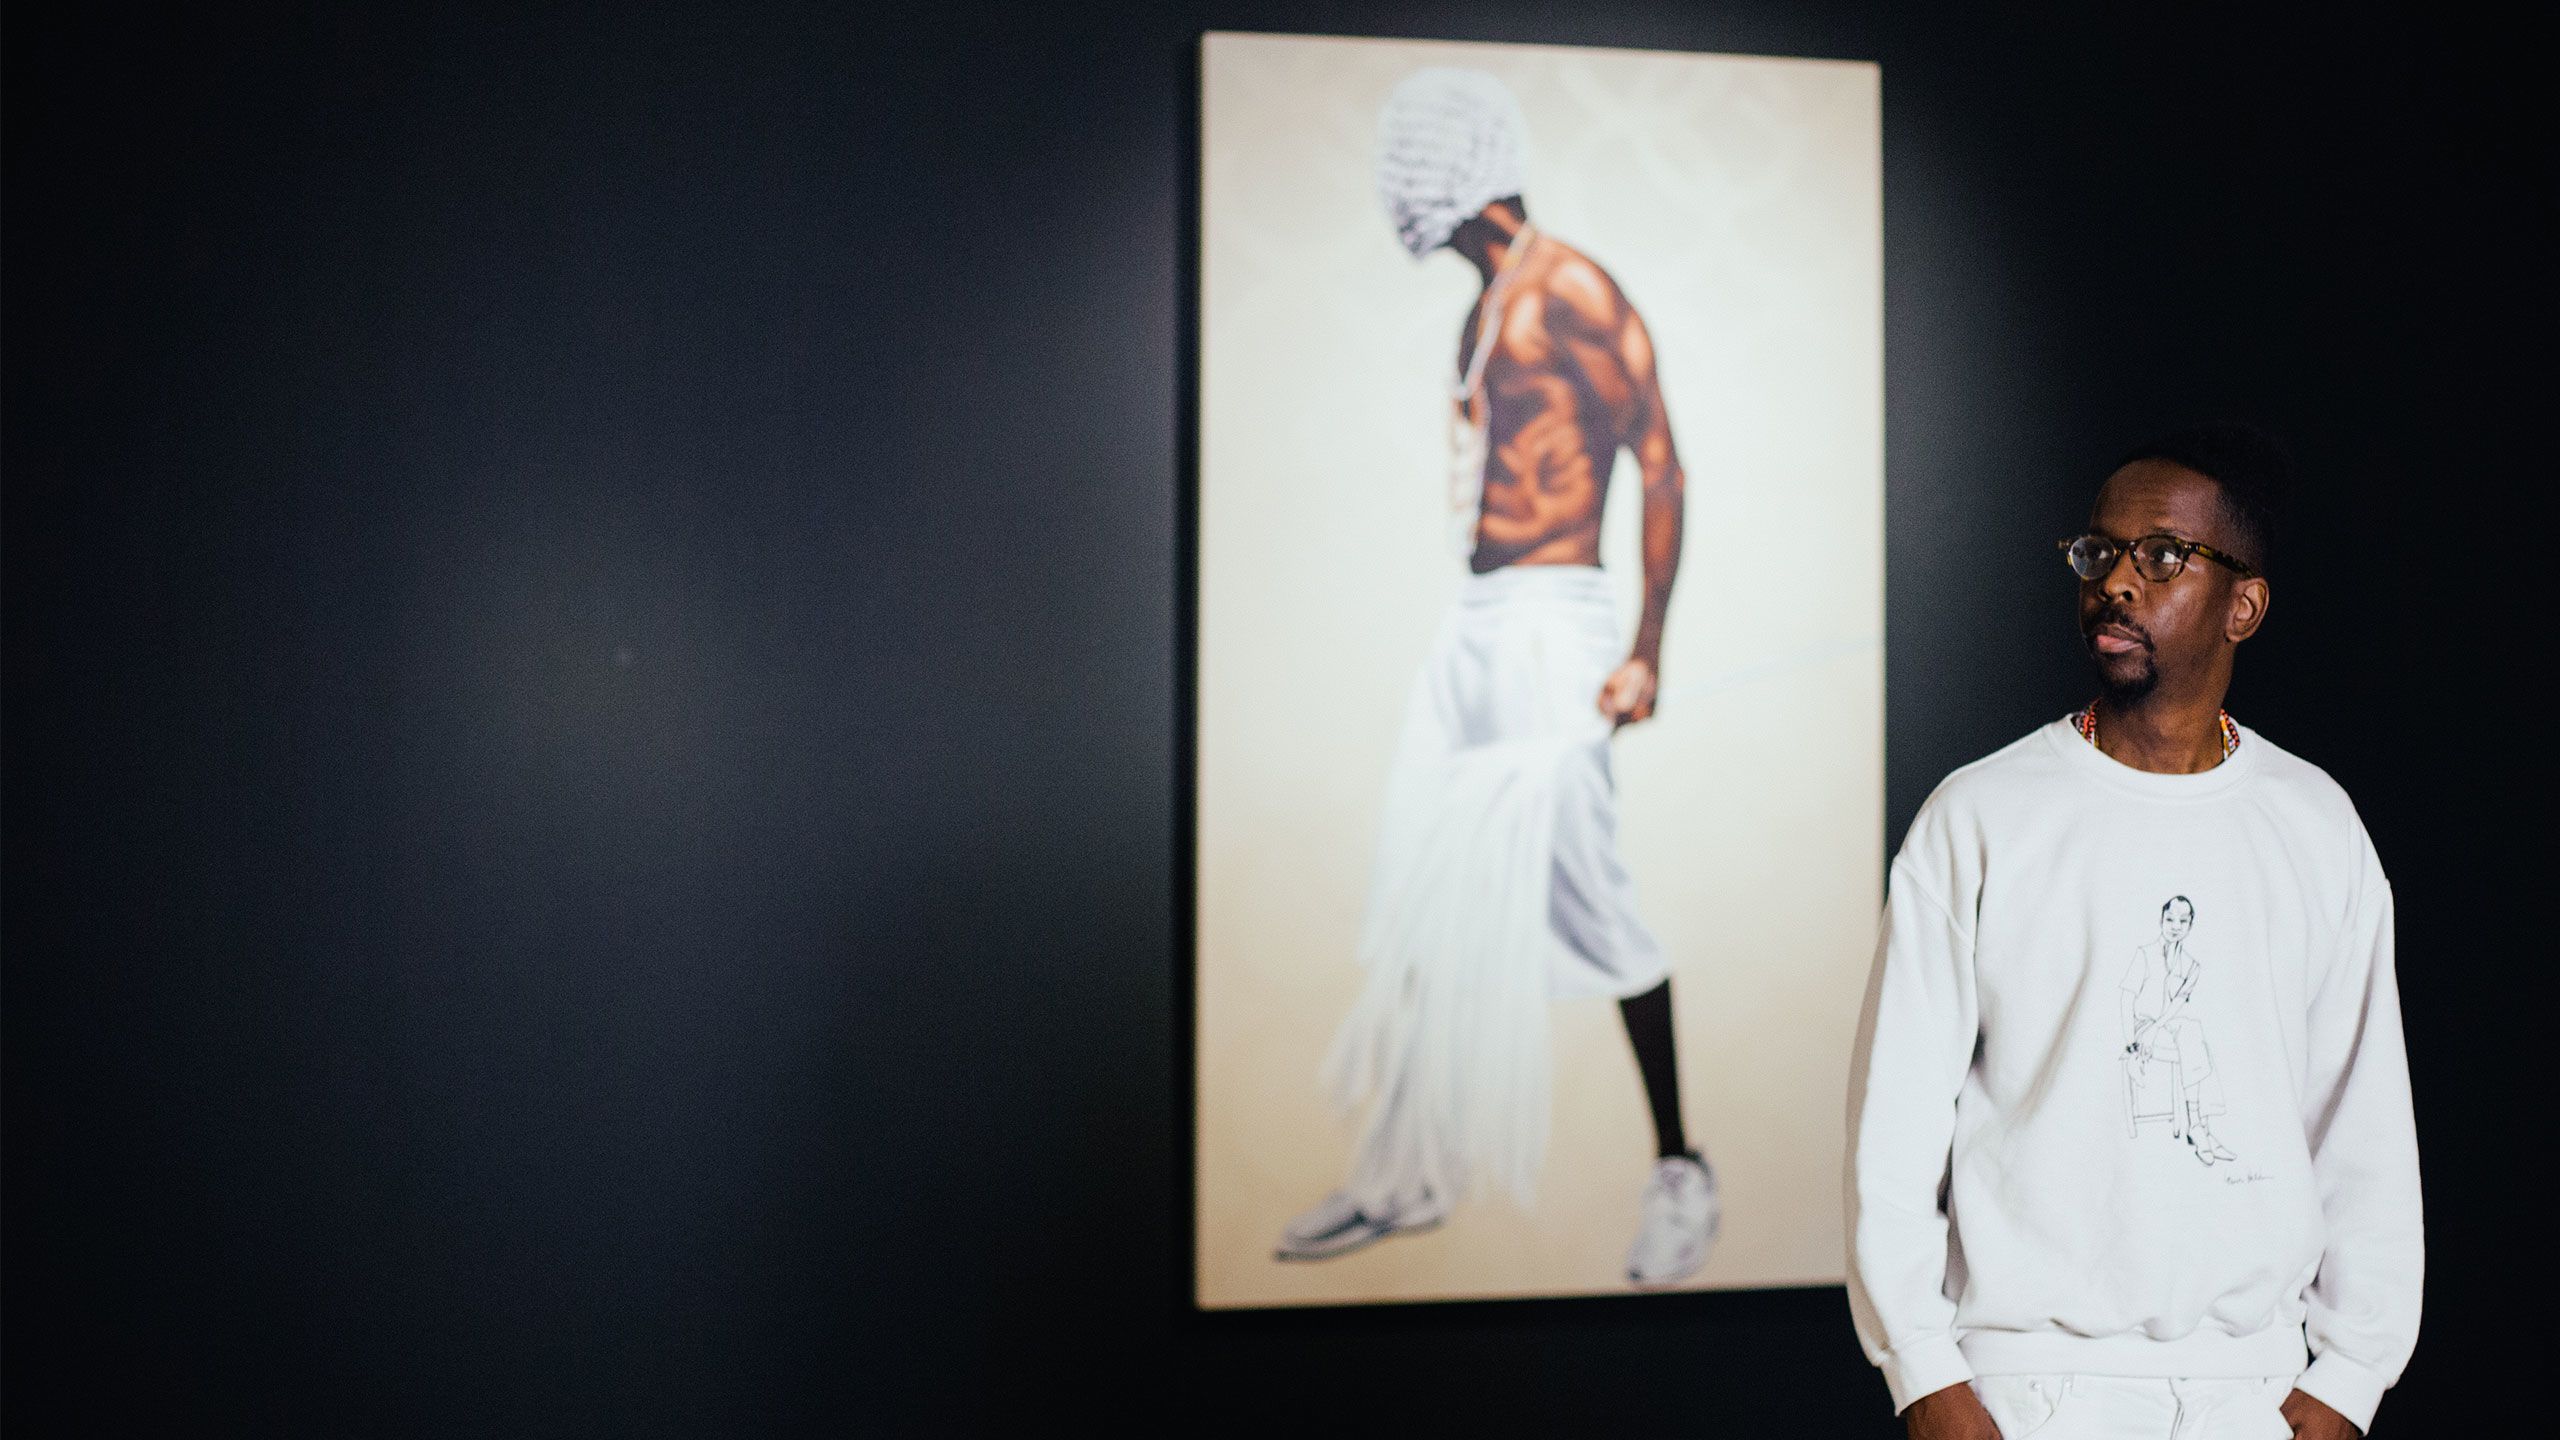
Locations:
column 593, row 629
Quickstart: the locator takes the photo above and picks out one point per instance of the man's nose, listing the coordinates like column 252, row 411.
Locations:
column 2123, row 578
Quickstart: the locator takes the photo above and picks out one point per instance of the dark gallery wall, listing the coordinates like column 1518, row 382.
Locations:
column 594, row 637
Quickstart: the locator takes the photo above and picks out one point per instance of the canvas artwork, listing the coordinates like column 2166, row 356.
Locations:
column 1539, row 787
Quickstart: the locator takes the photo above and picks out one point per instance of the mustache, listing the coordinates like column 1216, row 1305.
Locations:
column 2113, row 613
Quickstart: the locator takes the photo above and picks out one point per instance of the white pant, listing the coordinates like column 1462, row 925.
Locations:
column 2126, row 1407
column 1504, row 749
column 1497, row 886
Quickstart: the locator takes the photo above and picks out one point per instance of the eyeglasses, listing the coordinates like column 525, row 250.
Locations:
column 2159, row 558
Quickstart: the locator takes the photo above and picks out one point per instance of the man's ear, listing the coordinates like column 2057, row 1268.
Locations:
column 2249, row 601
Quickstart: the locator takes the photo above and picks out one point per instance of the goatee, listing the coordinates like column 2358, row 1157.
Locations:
column 2122, row 691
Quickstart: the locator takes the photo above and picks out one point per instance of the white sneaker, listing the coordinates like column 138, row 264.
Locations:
column 1680, row 1216
column 1336, row 1225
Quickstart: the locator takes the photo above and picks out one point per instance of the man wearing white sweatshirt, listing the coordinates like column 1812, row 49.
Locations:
column 2130, row 1141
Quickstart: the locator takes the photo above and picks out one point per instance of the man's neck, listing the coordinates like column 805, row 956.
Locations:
column 2162, row 734
column 1486, row 241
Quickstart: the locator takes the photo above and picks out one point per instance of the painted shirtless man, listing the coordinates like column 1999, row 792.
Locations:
column 1497, row 885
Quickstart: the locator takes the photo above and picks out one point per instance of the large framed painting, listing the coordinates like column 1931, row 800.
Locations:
column 1539, row 691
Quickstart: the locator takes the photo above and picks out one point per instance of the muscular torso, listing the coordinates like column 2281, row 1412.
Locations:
column 1560, row 406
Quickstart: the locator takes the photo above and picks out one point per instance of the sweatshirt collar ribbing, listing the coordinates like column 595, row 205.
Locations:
column 2088, row 760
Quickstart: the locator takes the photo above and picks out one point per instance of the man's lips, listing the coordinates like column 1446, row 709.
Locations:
column 2117, row 640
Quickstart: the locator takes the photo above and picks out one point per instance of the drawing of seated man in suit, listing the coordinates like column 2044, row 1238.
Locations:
column 2164, row 1038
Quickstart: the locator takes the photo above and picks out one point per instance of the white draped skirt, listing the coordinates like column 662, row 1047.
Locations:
column 1497, row 886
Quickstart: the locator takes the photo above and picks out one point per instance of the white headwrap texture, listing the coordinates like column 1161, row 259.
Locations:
column 1450, row 142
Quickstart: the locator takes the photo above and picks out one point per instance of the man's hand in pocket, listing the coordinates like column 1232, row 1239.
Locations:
column 1954, row 1413
column 2312, row 1420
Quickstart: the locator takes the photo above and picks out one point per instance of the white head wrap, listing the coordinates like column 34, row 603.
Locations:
column 1450, row 142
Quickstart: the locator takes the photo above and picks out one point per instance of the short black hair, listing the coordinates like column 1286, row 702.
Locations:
column 2253, row 468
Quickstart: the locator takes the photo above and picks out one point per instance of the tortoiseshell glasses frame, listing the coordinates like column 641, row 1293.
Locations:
column 2159, row 558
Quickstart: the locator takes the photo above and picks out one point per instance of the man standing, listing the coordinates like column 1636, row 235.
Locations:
column 2015, row 1254
column 1498, row 884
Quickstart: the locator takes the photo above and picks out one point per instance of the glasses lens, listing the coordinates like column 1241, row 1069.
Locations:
column 2090, row 555
column 2159, row 557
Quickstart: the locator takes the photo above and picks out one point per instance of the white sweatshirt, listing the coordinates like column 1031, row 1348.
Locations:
column 2128, row 1095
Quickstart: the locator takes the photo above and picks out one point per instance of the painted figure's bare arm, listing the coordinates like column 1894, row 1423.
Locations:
column 1665, row 484
column 1616, row 352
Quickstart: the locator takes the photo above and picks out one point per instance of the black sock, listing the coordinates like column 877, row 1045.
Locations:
column 1648, row 1020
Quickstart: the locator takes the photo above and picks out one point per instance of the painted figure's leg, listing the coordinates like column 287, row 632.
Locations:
column 1680, row 1206
column 1648, row 1022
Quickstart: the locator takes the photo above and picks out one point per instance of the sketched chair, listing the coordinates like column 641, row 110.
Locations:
column 2150, row 1093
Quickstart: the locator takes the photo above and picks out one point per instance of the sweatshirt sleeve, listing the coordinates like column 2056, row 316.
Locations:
column 1915, row 1043
column 2362, row 1319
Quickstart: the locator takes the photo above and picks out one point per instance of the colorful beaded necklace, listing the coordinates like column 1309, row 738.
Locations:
column 2088, row 723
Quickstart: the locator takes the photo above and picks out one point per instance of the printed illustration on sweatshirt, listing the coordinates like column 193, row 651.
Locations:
column 2168, row 1067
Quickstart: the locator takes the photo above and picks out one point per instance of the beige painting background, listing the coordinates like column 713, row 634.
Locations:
column 1737, row 200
